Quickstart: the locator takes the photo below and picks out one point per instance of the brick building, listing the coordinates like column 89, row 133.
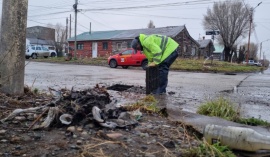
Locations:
column 105, row 43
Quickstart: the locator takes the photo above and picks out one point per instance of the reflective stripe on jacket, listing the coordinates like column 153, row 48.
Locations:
column 157, row 47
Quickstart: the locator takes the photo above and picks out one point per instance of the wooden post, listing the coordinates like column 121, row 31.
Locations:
column 13, row 45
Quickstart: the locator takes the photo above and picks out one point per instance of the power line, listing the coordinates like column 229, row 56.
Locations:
column 146, row 6
column 54, row 13
column 143, row 15
column 96, row 21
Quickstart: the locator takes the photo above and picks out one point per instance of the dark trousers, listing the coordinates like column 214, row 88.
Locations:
column 164, row 71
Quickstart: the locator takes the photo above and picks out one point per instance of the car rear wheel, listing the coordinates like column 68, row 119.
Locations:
column 124, row 67
column 53, row 55
column 113, row 64
column 46, row 56
column 34, row 56
column 144, row 65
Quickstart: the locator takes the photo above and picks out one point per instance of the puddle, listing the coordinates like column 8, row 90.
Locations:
column 235, row 89
column 119, row 87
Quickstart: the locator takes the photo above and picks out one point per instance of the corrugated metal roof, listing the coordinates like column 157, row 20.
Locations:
column 128, row 34
column 98, row 35
column 203, row 43
column 170, row 31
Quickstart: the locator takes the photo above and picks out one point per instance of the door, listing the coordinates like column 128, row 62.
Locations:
column 137, row 57
column 125, row 58
column 94, row 50
column 39, row 51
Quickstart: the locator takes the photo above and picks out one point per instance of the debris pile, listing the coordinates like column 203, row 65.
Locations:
column 74, row 123
column 75, row 107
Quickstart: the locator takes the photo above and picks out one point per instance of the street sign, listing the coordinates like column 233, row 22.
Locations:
column 212, row 33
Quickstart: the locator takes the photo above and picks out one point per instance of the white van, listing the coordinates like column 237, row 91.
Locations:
column 36, row 51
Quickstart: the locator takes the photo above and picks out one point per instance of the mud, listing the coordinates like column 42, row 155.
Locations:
column 155, row 135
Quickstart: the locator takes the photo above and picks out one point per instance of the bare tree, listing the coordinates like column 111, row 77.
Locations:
column 231, row 18
column 242, row 51
column 60, row 36
column 253, row 50
column 12, row 49
column 150, row 24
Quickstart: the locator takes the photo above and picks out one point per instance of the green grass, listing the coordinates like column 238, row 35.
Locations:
column 219, row 108
column 216, row 66
column 179, row 64
column 207, row 150
column 100, row 61
column 253, row 121
column 225, row 109
column 147, row 104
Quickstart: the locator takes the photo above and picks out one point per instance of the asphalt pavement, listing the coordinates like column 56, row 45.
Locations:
column 188, row 90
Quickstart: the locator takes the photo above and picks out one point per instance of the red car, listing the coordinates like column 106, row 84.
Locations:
column 128, row 58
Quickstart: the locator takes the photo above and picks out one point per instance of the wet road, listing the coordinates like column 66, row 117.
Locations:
column 251, row 91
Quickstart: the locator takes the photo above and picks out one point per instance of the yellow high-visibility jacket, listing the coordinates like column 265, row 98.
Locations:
column 157, row 47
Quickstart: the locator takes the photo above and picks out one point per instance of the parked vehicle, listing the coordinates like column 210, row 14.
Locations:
column 128, row 58
column 258, row 64
column 52, row 51
column 250, row 62
column 36, row 51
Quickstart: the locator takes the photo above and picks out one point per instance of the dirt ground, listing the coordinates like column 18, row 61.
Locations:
column 153, row 136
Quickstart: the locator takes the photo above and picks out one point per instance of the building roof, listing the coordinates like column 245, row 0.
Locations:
column 40, row 27
column 170, row 31
column 37, row 41
column 204, row 42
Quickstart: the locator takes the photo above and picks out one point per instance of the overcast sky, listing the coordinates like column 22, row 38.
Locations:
column 134, row 14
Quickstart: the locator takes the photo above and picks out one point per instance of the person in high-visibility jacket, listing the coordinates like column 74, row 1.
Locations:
column 160, row 51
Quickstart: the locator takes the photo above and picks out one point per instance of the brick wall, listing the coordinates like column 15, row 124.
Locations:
column 87, row 49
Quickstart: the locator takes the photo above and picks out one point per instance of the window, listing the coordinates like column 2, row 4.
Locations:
column 38, row 48
column 127, row 52
column 105, row 45
column 119, row 46
column 51, row 48
column 45, row 49
column 80, row 46
column 129, row 44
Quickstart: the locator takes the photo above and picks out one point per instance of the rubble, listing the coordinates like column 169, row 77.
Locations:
column 73, row 108
column 80, row 123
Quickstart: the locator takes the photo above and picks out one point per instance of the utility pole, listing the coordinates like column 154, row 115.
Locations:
column 13, row 44
column 75, row 34
column 67, row 28
column 70, row 26
column 90, row 29
column 261, row 47
column 250, row 23
column 66, row 43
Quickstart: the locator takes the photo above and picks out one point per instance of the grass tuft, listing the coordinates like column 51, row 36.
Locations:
column 219, row 108
column 205, row 149
column 225, row 109
column 147, row 104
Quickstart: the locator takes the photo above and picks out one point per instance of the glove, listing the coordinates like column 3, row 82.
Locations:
column 152, row 64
